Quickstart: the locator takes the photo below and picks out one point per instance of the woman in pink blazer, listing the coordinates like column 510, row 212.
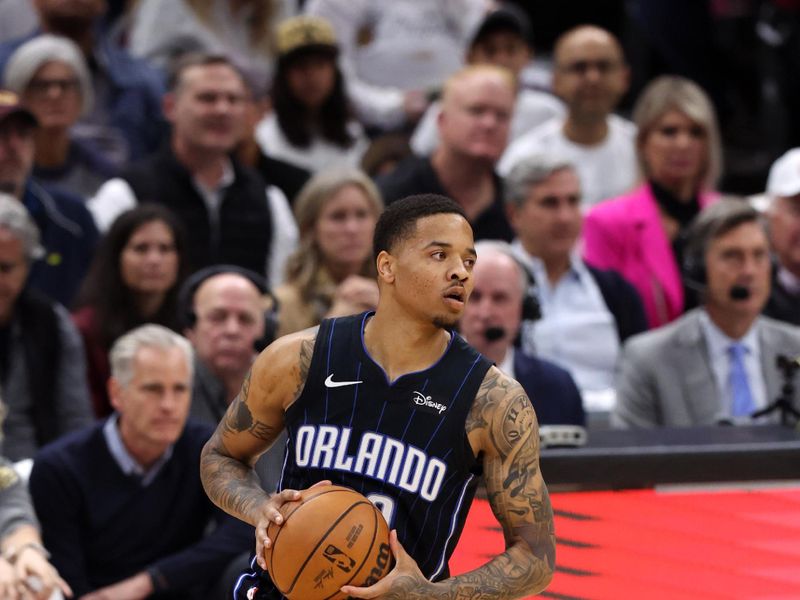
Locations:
column 640, row 234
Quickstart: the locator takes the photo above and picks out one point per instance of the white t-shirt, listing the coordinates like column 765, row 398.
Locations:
column 606, row 170
column 321, row 154
column 388, row 46
column 162, row 29
column 531, row 110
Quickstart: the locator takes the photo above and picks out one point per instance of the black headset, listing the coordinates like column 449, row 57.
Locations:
column 531, row 309
column 693, row 266
column 186, row 313
column 694, row 269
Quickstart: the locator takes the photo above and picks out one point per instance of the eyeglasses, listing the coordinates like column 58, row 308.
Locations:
column 43, row 86
column 582, row 67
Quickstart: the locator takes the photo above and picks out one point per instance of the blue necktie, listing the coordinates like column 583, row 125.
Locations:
column 742, row 405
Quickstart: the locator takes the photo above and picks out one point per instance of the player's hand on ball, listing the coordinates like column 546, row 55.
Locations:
column 271, row 513
column 399, row 582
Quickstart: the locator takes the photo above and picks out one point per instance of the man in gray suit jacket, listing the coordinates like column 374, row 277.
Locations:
column 717, row 363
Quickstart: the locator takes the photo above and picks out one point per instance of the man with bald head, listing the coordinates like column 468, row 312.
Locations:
column 224, row 322
column 473, row 124
column 590, row 76
column 491, row 323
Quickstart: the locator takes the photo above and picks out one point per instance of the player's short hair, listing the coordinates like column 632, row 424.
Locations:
column 124, row 350
column 399, row 221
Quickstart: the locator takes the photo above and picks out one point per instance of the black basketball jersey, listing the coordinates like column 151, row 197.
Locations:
column 402, row 444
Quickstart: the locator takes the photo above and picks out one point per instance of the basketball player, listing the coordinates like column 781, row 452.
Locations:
column 396, row 406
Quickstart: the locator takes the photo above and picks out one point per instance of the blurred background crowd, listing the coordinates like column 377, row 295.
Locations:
column 181, row 181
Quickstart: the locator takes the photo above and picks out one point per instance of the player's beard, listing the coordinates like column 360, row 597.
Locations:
column 445, row 322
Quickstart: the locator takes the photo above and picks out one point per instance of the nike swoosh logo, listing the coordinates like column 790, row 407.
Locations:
column 329, row 382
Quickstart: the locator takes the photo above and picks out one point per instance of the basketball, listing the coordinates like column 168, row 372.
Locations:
column 332, row 536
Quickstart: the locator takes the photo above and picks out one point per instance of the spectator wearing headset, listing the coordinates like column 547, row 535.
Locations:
column 223, row 317
column 717, row 363
column 500, row 300
column 222, row 309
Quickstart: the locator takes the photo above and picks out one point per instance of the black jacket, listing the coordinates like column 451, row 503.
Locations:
column 243, row 233
column 622, row 300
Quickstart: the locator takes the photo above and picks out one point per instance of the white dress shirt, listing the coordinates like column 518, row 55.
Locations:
column 577, row 330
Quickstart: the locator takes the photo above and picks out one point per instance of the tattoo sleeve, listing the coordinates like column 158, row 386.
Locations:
column 228, row 477
column 504, row 416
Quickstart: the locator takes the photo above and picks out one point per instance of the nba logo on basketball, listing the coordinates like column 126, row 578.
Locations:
column 339, row 558
column 332, row 536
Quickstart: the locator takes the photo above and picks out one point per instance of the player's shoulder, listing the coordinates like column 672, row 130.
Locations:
column 497, row 391
column 282, row 367
column 288, row 349
column 498, row 385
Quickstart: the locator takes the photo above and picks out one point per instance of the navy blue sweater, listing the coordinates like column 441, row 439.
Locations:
column 102, row 526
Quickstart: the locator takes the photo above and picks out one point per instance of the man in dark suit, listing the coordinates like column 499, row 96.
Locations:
column 491, row 323
column 783, row 188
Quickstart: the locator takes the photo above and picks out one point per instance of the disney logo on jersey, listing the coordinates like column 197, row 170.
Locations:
column 426, row 403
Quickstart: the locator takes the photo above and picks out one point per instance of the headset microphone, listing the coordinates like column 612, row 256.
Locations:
column 492, row 334
column 739, row 292
column 693, row 285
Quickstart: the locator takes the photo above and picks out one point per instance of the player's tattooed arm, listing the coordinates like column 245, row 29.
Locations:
column 502, row 426
column 252, row 422
column 503, row 419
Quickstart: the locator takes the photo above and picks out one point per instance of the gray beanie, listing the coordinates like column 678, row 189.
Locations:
column 45, row 48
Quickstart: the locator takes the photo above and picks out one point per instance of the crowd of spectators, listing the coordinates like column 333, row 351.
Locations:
column 181, row 181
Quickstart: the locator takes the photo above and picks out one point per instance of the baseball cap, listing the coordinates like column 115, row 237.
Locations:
column 784, row 175
column 305, row 33
column 11, row 106
column 506, row 17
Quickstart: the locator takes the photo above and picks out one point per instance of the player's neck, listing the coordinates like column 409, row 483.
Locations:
column 401, row 345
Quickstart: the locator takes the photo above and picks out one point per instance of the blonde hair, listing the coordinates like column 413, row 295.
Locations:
column 670, row 92
column 466, row 72
column 305, row 264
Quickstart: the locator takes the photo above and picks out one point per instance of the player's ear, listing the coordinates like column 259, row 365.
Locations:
column 385, row 266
